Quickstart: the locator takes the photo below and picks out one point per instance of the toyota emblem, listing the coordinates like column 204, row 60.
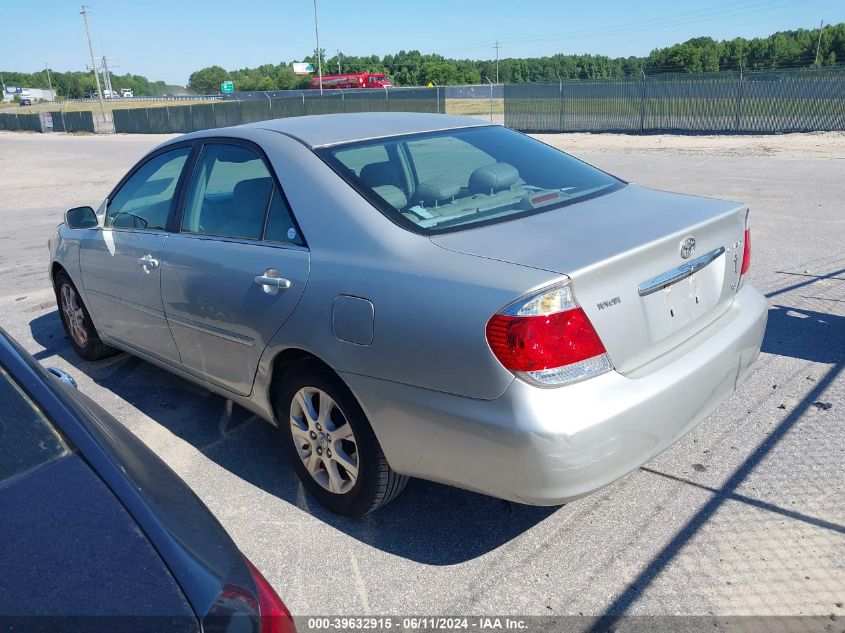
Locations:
column 687, row 247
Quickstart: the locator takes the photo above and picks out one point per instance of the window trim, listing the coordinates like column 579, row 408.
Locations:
column 189, row 160
column 178, row 217
column 69, row 449
column 324, row 153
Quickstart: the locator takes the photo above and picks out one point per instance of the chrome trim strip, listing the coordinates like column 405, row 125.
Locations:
column 675, row 275
column 239, row 240
column 214, row 331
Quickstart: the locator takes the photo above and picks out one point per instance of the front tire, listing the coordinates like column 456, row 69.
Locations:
column 77, row 322
column 331, row 444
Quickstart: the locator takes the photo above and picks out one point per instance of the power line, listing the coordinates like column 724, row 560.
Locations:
column 677, row 20
column 720, row 11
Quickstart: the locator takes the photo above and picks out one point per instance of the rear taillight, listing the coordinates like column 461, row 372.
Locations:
column 238, row 608
column 746, row 253
column 275, row 617
column 547, row 339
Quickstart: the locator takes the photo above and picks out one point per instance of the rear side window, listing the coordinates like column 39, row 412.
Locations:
column 280, row 224
column 229, row 194
column 144, row 201
column 27, row 439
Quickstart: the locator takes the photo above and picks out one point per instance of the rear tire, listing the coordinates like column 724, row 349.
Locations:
column 77, row 322
column 330, row 442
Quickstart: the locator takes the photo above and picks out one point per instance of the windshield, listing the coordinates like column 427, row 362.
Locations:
column 446, row 181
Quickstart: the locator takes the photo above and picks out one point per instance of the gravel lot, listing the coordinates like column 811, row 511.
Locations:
column 744, row 516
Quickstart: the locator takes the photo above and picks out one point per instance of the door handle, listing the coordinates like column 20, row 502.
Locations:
column 271, row 281
column 148, row 261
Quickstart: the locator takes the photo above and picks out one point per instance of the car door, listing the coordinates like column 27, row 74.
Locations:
column 236, row 269
column 120, row 261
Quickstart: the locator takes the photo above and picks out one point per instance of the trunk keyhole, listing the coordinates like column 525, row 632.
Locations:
column 671, row 313
column 696, row 299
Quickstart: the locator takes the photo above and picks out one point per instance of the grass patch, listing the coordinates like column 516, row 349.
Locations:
column 94, row 106
column 474, row 107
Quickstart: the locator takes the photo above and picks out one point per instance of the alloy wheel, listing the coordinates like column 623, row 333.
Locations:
column 74, row 315
column 324, row 440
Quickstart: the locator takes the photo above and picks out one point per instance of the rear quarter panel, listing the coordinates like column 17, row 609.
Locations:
column 431, row 305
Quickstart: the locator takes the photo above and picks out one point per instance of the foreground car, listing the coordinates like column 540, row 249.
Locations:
column 420, row 295
column 99, row 534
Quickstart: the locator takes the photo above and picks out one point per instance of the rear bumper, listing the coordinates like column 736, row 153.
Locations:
column 547, row 446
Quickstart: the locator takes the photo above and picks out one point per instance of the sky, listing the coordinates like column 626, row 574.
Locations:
column 169, row 39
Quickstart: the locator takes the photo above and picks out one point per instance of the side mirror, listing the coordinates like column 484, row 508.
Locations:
column 63, row 376
column 81, row 218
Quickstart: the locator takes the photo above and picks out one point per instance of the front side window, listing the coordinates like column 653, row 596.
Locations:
column 27, row 439
column 445, row 181
column 144, row 201
column 230, row 193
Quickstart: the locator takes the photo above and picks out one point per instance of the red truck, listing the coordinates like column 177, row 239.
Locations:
column 353, row 80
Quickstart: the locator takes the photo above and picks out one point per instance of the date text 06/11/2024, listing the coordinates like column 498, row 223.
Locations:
column 415, row 623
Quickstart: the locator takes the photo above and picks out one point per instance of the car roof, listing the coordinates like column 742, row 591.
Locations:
column 334, row 129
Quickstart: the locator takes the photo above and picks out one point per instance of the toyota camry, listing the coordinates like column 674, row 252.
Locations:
column 418, row 295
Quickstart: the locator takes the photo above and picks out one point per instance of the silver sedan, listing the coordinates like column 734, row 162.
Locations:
column 419, row 295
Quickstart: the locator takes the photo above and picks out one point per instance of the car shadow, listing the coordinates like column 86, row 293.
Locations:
column 793, row 332
column 429, row 523
column 805, row 334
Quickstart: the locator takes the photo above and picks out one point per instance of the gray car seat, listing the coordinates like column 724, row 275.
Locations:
column 384, row 173
column 249, row 205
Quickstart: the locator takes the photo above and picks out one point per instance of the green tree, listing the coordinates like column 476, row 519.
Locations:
column 207, row 80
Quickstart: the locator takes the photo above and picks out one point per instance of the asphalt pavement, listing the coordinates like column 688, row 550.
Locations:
column 743, row 516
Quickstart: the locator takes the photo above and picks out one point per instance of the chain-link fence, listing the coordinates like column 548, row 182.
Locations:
column 69, row 121
column 20, row 122
column 725, row 102
column 251, row 107
column 48, row 122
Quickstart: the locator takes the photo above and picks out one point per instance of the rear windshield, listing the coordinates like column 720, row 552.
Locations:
column 446, row 181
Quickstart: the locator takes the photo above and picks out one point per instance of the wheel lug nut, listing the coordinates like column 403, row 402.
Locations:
column 319, row 451
column 319, row 428
column 328, row 452
column 313, row 435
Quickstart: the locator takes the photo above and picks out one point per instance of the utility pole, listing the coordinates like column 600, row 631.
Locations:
column 84, row 13
column 338, row 61
column 819, row 43
column 491, row 96
column 49, row 81
column 107, row 75
column 497, row 47
column 319, row 56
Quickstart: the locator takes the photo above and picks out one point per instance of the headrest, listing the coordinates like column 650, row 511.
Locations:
column 377, row 174
column 251, row 195
column 392, row 196
column 496, row 176
column 428, row 192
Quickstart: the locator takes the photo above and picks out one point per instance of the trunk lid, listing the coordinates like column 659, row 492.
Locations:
column 620, row 250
